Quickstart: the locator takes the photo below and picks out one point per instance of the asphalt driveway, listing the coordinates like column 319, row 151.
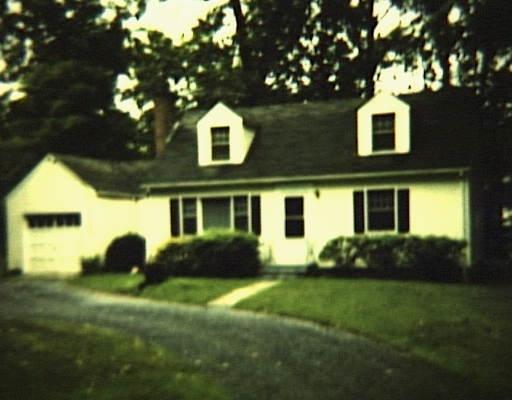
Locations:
column 254, row 356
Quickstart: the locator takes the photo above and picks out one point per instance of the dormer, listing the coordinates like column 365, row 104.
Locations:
column 222, row 137
column 383, row 126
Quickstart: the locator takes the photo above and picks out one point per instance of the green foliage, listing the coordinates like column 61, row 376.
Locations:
column 53, row 360
column 112, row 283
column 91, row 265
column 463, row 329
column 193, row 290
column 125, row 252
column 219, row 253
column 66, row 58
column 435, row 258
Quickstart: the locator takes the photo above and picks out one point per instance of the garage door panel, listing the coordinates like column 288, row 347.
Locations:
column 52, row 247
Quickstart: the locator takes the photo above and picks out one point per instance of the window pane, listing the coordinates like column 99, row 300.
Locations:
column 216, row 213
column 220, row 152
column 240, row 205
column 220, row 143
column 381, row 210
column 383, row 132
column 384, row 142
column 241, row 223
column 294, row 206
column 294, row 216
column 294, row 228
column 189, row 208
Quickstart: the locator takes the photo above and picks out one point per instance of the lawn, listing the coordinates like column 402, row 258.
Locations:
column 462, row 328
column 179, row 290
column 49, row 360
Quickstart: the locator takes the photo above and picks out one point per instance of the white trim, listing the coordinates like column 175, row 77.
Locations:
column 308, row 178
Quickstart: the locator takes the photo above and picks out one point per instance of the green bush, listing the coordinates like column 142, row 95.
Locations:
column 215, row 254
column 125, row 252
column 91, row 265
column 433, row 258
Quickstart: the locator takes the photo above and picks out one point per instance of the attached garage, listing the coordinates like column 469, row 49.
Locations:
column 58, row 213
column 52, row 242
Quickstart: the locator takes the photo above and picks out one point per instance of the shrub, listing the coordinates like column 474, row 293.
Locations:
column 91, row 265
column 125, row 252
column 217, row 253
column 155, row 273
column 433, row 258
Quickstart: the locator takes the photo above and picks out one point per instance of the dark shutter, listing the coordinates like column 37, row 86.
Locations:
column 175, row 218
column 256, row 215
column 359, row 212
column 403, row 210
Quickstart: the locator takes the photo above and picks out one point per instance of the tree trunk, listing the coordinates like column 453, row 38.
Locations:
column 162, row 116
column 370, row 57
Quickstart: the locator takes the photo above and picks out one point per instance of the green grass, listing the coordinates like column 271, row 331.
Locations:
column 62, row 361
column 462, row 328
column 180, row 290
column 193, row 290
column 112, row 283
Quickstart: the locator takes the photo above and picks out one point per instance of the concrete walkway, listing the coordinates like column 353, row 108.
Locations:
column 233, row 297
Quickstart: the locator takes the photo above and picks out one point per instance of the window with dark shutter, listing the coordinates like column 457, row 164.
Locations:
column 381, row 210
column 294, row 217
column 175, row 217
column 241, row 213
column 189, row 207
column 256, row 215
column 403, row 210
column 359, row 212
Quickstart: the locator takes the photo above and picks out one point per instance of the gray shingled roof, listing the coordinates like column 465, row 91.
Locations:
column 303, row 139
column 319, row 138
column 112, row 177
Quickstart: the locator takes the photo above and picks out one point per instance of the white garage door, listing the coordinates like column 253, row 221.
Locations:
column 53, row 243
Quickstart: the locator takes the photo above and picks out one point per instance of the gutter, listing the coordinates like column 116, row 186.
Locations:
column 118, row 195
column 462, row 171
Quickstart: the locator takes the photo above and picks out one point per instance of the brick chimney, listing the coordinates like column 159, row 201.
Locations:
column 162, row 121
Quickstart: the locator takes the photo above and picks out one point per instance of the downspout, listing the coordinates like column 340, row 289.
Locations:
column 466, row 198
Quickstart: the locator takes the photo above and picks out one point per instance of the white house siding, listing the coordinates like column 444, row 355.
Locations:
column 107, row 219
column 49, row 188
column 437, row 207
column 154, row 222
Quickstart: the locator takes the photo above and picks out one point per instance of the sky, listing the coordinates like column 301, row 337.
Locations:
column 176, row 17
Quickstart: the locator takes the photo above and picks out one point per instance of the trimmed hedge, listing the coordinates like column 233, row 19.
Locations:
column 431, row 257
column 216, row 254
column 125, row 252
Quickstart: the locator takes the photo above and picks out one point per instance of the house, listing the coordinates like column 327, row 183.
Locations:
column 296, row 175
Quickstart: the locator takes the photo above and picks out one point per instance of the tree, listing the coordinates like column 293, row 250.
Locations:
column 66, row 57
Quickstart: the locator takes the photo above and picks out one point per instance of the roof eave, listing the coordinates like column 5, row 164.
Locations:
column 288, row 179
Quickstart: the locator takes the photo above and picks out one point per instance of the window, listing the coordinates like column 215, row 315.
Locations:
column 216, row 213
column 242, row 213
column 383, row 132
column 220, row 143
column 294, row 217
column 53, row 220
column 189, row 208
column 381, row 210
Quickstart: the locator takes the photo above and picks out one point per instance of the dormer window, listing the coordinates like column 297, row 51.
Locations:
column 220, row 143
column 383, row 132
column 383, row 127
